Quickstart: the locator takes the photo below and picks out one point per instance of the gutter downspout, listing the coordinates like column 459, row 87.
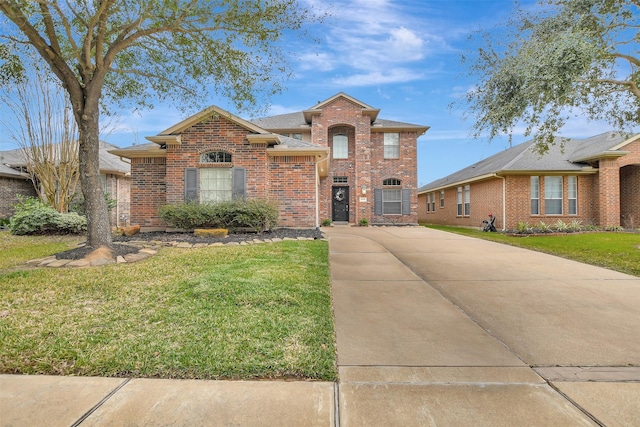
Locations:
column 504, row 201
column 317, row 192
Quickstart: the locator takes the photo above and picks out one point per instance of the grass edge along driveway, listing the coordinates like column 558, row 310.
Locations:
column 238, row 312
column 617, row 251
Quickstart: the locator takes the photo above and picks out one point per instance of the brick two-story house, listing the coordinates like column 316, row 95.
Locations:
column 595, row 181
column 336, row 161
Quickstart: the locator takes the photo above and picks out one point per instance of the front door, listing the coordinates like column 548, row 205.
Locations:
column 340, row 198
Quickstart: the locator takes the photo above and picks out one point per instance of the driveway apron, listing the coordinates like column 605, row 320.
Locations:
column 435, row 328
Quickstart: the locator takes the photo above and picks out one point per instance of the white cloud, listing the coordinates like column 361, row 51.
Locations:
column 370, row 42
column 397, row 75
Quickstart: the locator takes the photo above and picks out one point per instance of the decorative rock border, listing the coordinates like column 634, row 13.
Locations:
column 147, row 249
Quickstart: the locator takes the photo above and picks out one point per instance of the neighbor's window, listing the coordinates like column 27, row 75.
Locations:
column 467, row 200
column 459, row 201
column 442, row 198
column 553, row 195
column 215, row 184
column 573, row 195
column 428, row 202
column 215, row 157
column 391, row 197
column 340, row 147
column 296, row 136
column 433, row 202
column 391, row 145
column 535, row 195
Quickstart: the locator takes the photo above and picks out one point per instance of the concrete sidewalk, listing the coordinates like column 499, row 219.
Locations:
column 432, row 329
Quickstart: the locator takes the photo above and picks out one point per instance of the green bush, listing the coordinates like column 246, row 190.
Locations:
column 257, row 215
column 32, row 216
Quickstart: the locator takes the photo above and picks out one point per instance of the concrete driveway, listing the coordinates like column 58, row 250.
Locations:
column 435, row 328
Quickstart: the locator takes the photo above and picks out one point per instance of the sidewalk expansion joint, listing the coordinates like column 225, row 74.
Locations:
column 336, row 404
column 99, row 404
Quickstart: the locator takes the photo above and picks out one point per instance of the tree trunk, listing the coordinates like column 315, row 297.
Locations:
column 98, row 228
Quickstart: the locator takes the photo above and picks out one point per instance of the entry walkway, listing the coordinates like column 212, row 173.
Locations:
column 435, row 328
column 432, row 329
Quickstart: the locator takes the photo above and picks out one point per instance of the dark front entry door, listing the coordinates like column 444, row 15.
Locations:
column 340, row 197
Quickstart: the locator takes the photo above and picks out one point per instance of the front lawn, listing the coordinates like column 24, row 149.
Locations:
column 616, row 251
column 241, row 312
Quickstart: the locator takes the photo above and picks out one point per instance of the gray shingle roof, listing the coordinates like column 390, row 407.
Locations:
column 282, row 121
column 108, row 162
column 563, row 156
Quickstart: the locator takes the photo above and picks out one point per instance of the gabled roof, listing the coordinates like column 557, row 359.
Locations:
column 566, row 156
column 301, row 120
column 172, row 134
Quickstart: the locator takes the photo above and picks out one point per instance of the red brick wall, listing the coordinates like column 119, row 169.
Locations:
column 293, row 187
column 148, row 177
column 366, row 164
column 486, row 198
column 216, row 134
column 9, row 189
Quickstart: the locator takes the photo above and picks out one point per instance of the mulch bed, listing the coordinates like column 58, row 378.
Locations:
column 122, row 245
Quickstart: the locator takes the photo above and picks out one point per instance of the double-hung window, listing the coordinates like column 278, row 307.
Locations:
column 340, row 146
column 215, row 180
column 442, row 198
column 467, row 200
column 428, row 202
column 391, row 197
column 553, row 195
column 535, row 195
column 459, row 201
column 391, row 145
column 572, row 182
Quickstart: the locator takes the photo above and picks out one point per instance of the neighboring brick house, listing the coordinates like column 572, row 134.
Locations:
column 114, row 172
column 336, row 160
column 595, row 181
column 13, row 183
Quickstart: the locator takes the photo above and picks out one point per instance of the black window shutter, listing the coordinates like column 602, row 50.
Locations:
column 377, row 201
column 406, row 201
column 191, row 185
column 238, row 189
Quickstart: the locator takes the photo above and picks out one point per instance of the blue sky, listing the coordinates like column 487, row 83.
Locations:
column 402, row 56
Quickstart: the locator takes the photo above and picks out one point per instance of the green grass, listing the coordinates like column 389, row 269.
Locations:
column 240, row 312
column 16, row 250
column 616, row 251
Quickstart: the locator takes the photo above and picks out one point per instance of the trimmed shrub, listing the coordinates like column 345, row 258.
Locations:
column 257, row 215
column 32, row 216
column 186, row 215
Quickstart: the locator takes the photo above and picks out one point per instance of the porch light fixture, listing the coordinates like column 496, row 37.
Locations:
column 363, row 187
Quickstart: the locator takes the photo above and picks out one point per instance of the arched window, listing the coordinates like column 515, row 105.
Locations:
column 215, row 157
column 340, row 146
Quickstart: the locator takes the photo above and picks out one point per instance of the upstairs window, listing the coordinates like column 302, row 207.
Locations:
column 340, row 146
column 391, row 145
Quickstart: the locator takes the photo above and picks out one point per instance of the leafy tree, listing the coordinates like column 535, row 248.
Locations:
column 112, row 51
column 565, row 58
